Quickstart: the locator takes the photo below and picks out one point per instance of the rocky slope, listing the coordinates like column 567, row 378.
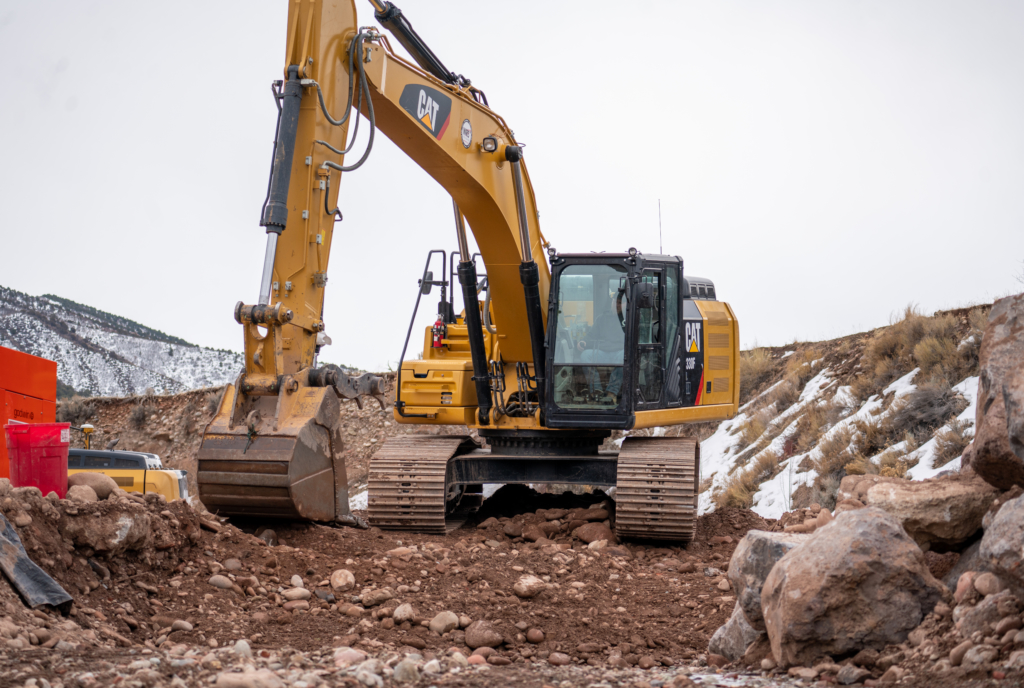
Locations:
column 898, row 401
column 104, row 354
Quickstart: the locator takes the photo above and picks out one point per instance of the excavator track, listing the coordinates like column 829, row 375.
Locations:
column 656, row 488
column 406, row 486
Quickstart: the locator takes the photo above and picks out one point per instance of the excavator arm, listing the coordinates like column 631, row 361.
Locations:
column 275, row 445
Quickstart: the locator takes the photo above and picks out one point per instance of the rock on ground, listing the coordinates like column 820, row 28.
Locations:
column 945, row 511
column 1002, row 547
column 997, row 452
column 859, row 583
column 751, row 562
column 103, row 485
column 82, row 493
column 482, row 633
column 529, row 586
column 734, row 637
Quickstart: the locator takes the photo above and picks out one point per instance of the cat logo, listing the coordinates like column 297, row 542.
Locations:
column 428, row 106
column 693, row 337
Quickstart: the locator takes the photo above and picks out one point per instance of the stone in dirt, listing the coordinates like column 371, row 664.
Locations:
column 296, row 594
column 945, row 510
column 752, row 561
column 513, row 529
column 343, row 580
column 404, row 612
column 535, row 635
column 406, row 672
column 987, row 613
column 987, row 584
column 589, row 515
column 861, row 582
column 593, row 532
column 375, row 597
column 347, row 656
column 81, row 493
column 103, row 485
column 222, row 582
column 734, row 637
column 1002, row 546
column 851, row 674
column 558, row 659
column 263, row 678
column 444, row 622
column 529, row 586
column 482, row 633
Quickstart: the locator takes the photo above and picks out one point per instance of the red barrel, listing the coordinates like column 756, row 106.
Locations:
column 38, row 454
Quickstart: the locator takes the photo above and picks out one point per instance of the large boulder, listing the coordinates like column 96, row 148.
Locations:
column 859, row 582
column 945, row 510
column 100, row 483
column 751, row 562
column 997, row 452
column 734, row 637
column 1002, row 547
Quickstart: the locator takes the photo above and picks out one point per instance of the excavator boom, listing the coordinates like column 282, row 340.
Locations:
column 563, row 349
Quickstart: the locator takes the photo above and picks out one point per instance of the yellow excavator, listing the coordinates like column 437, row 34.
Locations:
column 550, row 354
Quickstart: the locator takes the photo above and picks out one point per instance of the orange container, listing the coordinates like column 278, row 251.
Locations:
column 38, row 455
column 28, row 392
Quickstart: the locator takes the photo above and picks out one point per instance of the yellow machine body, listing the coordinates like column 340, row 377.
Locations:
column 274, row 447
column 142, row 481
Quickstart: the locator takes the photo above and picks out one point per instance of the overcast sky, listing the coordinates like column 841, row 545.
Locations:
column 825, row 163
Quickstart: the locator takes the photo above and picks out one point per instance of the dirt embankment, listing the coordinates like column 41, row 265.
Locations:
column 172, row 426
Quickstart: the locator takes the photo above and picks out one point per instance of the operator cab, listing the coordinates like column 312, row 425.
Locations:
column 616, row 341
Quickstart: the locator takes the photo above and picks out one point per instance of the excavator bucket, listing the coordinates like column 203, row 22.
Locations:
column 275, row 456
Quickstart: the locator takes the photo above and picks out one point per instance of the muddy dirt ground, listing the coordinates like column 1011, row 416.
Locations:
column 626, row 614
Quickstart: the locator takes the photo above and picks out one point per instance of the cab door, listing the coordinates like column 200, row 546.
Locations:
column 650, row 342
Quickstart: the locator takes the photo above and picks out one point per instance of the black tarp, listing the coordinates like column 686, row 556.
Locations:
column 33, row 584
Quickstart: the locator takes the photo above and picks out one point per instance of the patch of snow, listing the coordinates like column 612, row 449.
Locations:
column 844, row 397
column 787, row 354
column 925, row 454
column 359, row 500
column 903, row 386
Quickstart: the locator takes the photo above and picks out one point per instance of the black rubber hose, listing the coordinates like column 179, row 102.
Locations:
column 481, row 376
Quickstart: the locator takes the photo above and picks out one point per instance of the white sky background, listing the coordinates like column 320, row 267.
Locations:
column 825, row 163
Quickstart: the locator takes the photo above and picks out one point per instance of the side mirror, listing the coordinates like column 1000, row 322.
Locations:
column 425, row 283
column 644, row 295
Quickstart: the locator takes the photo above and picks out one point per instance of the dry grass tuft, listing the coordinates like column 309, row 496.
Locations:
column 139, row 415
column 75, row 411
column 833, row 454
column 784, row 395
column 214, row 399
column 799, row 366
column 861, row 465
column 925, row 409
column 754, row 428
column 931, row 343
column 894, row 464
column 951, row 441
column 816, row 419
column 756, row 367
column 741, row 488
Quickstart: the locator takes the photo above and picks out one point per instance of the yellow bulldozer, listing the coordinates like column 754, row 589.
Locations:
column 551, row 353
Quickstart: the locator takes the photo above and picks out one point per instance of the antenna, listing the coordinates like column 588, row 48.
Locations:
column 660, row 250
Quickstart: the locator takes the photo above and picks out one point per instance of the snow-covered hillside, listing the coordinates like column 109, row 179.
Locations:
column 899, row 401
column 105, row 354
